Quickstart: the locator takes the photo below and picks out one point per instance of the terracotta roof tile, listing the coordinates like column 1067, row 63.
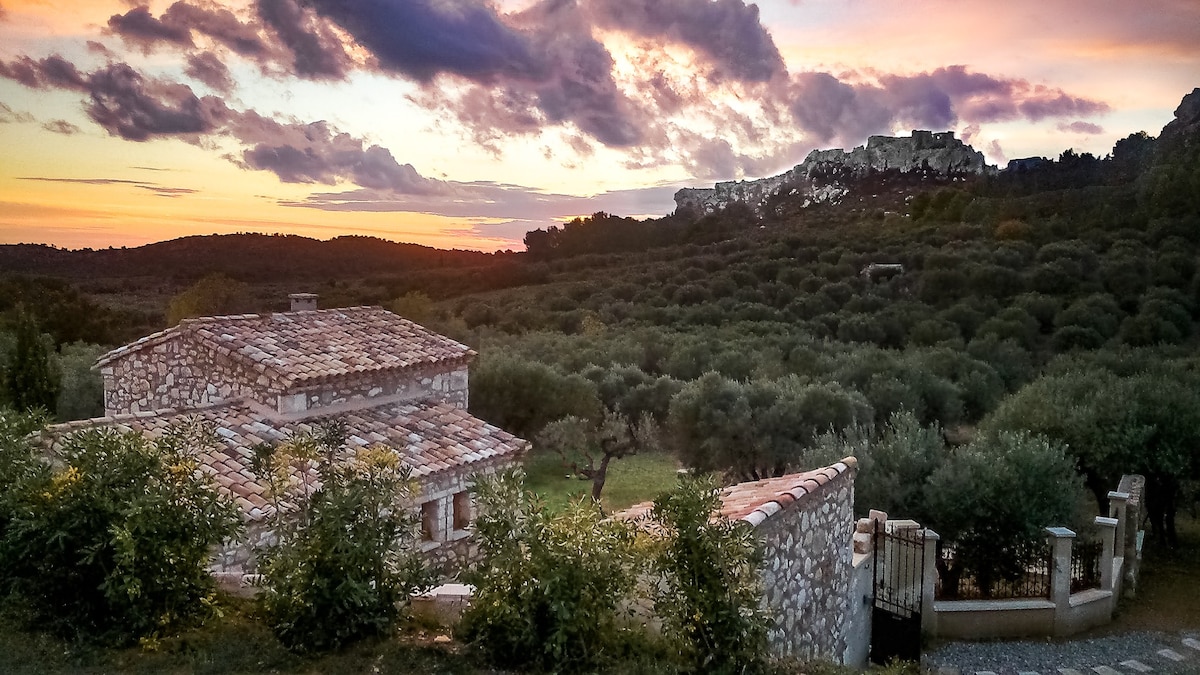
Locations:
column 290, row 347
column 404, row 426
column 755, row 501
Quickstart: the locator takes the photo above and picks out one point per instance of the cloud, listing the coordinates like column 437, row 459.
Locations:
column 130, row 105
column 209, row 69
column 316, row 51
column 997, row 153
column 1080, row 127
column 542, row 67
column 9, row 116
column 318, row 153
column 489, row 200
column 138, row 26
column 52, row 72
column 219, row 24
column 837, row 109
column 425, row 38
column 136, row 108
column 61, row 127
column 156, row 188
column 728, row 32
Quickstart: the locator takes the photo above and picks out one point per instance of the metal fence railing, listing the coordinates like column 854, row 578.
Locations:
column 1017, row 572
column 1085, row 565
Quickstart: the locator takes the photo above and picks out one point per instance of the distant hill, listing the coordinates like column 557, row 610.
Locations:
column 249, row 257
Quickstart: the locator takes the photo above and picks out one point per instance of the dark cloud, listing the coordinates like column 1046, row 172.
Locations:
column 52, row 72
column 209, row 69
column 136, row 108
column 728, row 32
column 138, row 26
column 1081, row 127
column 316, row 50
column 9, row 116
column 61, row 127
column 424, row 38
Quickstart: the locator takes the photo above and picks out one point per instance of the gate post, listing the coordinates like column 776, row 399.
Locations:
column 1108, row 528
column 1118, row 504
column 1060, row 576
column 929, row 586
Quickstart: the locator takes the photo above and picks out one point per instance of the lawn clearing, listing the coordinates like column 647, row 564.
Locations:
column 1168, row 591
column 634, row 479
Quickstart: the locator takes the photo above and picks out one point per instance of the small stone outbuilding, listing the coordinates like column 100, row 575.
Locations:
column 263, row 378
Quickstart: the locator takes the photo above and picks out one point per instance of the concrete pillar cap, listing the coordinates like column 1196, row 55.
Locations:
column 1102, row 521
column 1061, row 532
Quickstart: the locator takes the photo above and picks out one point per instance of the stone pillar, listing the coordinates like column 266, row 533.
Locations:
column 929, row 585
column 1061, row 540
column 1118, row 503
column 1108, row 529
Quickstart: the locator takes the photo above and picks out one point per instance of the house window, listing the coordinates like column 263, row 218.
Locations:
column 429, row 521
column 462, row 510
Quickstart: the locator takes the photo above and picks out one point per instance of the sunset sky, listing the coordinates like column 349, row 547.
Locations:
column 466, row 123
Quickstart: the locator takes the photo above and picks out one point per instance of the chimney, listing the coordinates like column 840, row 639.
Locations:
column 303, row 301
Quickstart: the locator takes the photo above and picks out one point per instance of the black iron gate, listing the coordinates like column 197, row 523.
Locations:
column 899, row 583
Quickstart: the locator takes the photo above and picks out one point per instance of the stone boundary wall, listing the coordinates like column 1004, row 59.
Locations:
column 1064, row 612
column 807, row 571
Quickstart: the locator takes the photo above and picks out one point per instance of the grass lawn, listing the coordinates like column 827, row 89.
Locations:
column 1168, row 592
column 632, row 480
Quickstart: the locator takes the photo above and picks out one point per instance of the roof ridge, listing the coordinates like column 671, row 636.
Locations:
column 136, row 345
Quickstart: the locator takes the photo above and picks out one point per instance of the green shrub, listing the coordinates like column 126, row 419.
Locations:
column 710, row 592
column 346, row 561
column 548, row 588
column 113, row 543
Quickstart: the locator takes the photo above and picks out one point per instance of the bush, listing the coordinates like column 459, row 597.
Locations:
column 548, row 587
column 710, row 591
column 346, row 560
column 113, row 543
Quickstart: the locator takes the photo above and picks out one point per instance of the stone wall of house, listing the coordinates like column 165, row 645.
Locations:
column 171, row 375
column 444, row 384
column 807, row 572
column 448, row 549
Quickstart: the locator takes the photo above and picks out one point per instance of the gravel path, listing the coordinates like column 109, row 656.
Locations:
column 1160, row 653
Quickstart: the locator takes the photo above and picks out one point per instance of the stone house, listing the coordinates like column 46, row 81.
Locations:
column 262, row 378
column 811, row 575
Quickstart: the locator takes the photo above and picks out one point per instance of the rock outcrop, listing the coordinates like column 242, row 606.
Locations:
column 825, row 175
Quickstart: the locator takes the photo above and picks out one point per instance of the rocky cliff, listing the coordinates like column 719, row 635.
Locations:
column 825, row 175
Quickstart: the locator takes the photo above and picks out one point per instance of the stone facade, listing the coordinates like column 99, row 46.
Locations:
column 171, row 374
column 807, row 572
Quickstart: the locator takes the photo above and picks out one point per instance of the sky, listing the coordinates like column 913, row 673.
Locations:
column 466, row 123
